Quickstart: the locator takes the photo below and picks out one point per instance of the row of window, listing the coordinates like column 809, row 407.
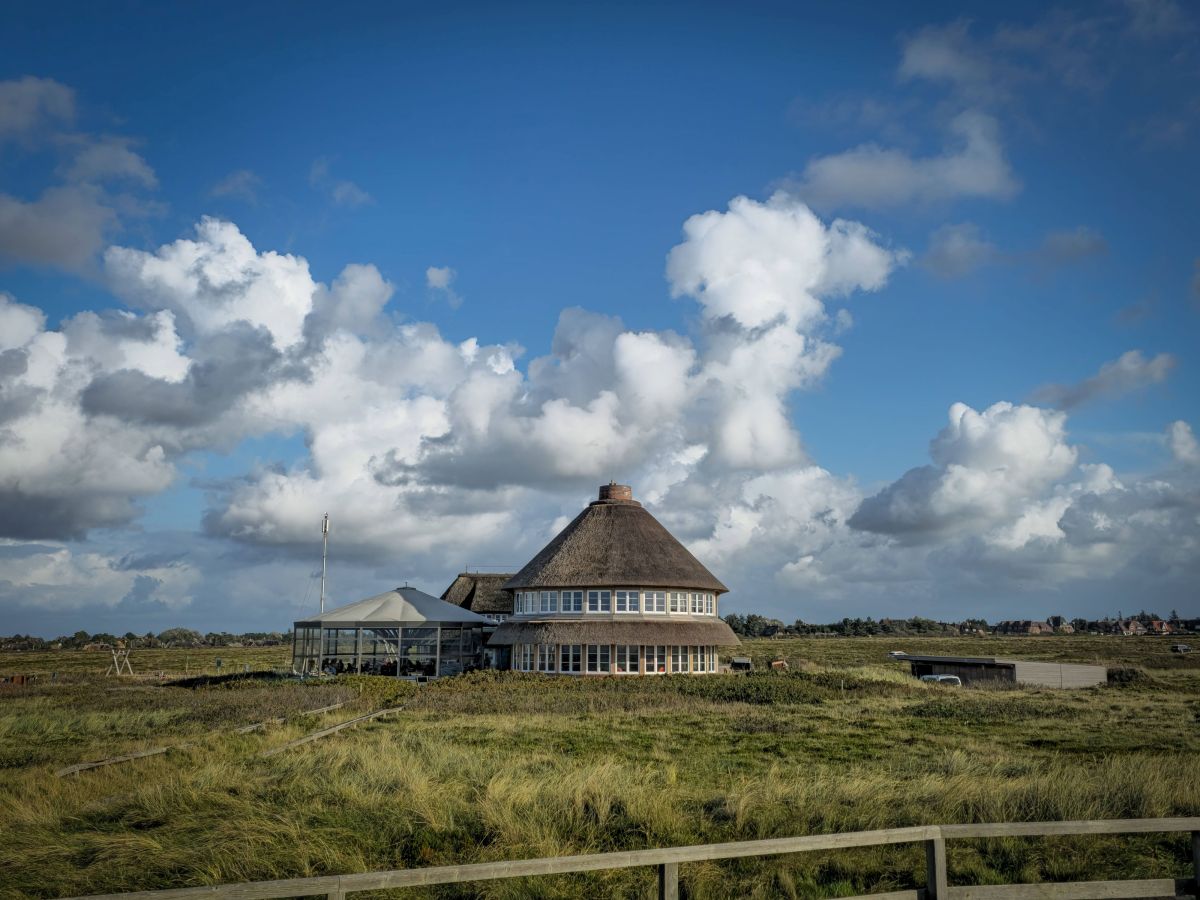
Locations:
column 697, row 604
column 605, row 659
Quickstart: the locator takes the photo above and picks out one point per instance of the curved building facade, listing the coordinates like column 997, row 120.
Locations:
column 615, row 594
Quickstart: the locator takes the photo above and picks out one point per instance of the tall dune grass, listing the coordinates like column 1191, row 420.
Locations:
column 493, row 767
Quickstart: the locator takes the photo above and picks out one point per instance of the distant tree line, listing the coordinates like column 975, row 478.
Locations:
column 754, row 625
column 172, row 637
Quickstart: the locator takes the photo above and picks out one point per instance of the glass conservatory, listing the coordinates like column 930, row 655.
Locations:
column 404, row 633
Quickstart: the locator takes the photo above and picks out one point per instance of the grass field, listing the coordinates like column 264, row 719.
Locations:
column 501, row 765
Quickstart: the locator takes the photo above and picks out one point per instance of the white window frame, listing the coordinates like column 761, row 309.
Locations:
column 603, row 601
column 549, row 601
column 677, row 602
column 628, row 659
column 710, row 605
column 679, row 660
column 571, row 601
column 696, row 604
column 523, row 657
column 570, row 658
column 627, row 601
column 654, row 655
column 654, row 601
column 603, row 657
column 547, row 657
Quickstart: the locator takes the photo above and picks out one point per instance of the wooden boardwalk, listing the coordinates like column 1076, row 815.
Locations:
column 668, row 860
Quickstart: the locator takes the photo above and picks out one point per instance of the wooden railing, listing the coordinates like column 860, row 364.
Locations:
column 668, row 860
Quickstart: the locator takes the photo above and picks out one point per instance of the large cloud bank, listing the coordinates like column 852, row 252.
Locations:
column 433, row 453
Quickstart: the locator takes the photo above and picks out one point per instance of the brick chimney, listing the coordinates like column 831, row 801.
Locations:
column 614, row 491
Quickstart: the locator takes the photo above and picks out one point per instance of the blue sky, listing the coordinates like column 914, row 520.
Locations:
column 1027, row 193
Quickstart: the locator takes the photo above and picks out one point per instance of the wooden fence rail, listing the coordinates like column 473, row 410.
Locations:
column 668, row 860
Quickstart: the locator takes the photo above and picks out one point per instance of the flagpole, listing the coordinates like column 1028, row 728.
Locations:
column 324, row 553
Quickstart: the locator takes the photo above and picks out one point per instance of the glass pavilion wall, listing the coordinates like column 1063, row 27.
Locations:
column 425, row 650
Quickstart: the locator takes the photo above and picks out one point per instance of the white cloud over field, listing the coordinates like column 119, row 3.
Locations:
column 432, row 454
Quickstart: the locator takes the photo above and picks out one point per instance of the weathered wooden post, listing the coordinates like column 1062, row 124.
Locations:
column 1196, row 861
column 668, row 881
column 935, row 869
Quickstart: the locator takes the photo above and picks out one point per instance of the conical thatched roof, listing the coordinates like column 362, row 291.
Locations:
column 614, row 542
column 481, row 593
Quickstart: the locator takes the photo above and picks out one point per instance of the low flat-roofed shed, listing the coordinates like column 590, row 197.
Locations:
column 995, row 668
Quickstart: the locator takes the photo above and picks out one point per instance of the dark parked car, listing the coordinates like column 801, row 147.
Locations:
column 1181, row 648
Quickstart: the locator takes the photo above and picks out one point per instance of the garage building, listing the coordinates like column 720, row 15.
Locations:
column 976, row 669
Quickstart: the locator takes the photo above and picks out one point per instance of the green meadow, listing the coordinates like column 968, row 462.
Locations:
column 496, row 766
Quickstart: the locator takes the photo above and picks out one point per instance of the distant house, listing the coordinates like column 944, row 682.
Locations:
column 1158, row 626
column 1061, row 625
column 1024, row 626
column 1130, row 627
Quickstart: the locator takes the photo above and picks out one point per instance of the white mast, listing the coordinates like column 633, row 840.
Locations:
column 324, row 553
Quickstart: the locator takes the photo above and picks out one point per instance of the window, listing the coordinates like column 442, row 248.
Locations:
column 656, row 660
column 679, row 659
column 523, row 657
column 572, row 601
column 627, row 659
column 570, row 657
column 546, row 654
column 701, row 660
column 599, row 601
column 627, row 601
column 697, row 604
column 679, row 601
column 710, row 604
column 656, row 601
column 549, row 601
column 599, row 657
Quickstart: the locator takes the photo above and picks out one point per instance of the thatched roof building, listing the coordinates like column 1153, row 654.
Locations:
column 482, row 593
column 614, row 593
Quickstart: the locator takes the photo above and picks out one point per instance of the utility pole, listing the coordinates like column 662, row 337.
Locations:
column 324, row 553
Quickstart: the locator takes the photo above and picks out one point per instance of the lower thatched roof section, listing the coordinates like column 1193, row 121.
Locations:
column 694, row 632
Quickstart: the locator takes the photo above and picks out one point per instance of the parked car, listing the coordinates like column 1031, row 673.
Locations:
column 895, row 654
column 741, row 664
column 1181, row 648
column 948, row 680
